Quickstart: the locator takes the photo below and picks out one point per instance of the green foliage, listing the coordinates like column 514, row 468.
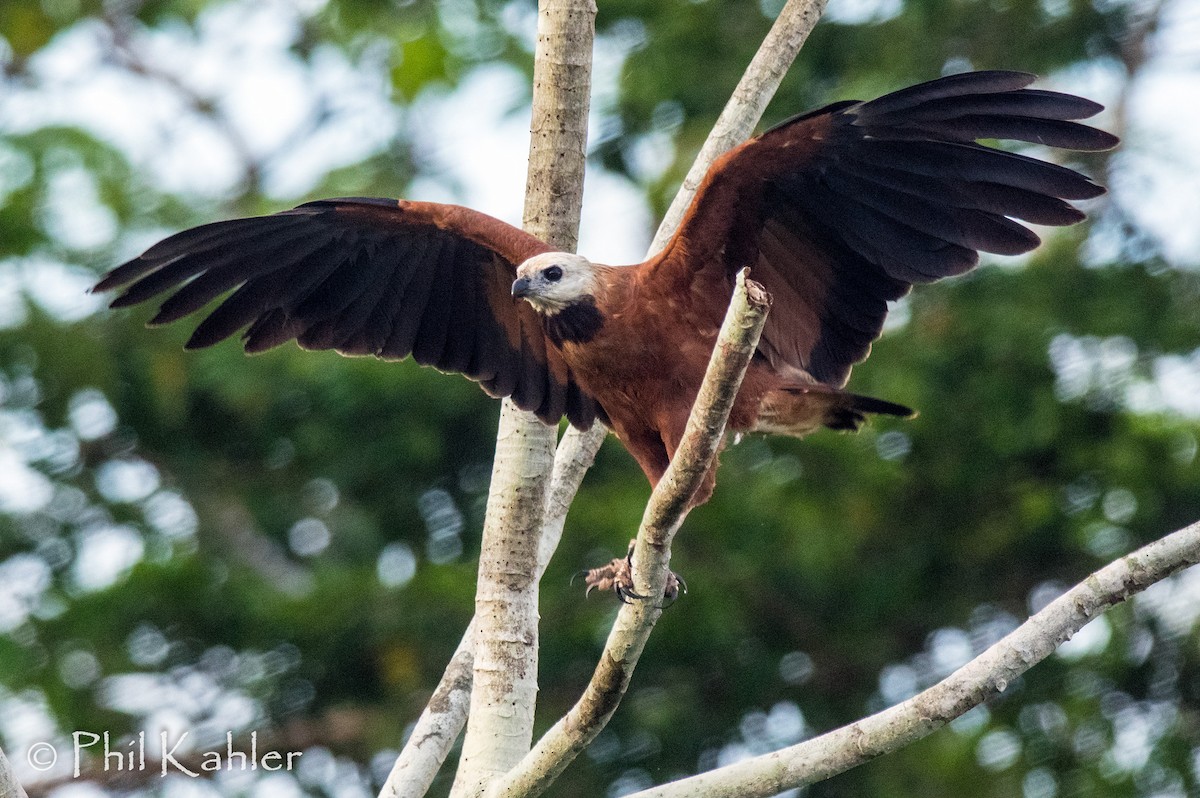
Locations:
column 292, row 536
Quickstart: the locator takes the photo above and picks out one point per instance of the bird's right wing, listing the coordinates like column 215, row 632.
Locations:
column 367, row 277
column 839, row 211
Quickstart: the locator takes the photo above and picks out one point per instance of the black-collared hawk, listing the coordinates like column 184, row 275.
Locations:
column 836, row 212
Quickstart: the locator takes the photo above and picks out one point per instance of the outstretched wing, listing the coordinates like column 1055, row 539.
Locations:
column 367, row 277
column 843, row 209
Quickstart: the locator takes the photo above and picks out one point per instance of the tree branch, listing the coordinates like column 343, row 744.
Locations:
column 9, row 786
column 435, row 731
column 664, row 514
column 504, row 687
column 987, row 675
column 446, row 713
column 746, row 105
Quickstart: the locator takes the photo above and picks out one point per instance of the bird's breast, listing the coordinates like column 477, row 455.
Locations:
column 577, row 323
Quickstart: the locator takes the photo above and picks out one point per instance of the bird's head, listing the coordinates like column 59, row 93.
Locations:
column 553, row 281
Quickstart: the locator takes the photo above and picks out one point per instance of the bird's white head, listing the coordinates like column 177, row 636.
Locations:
column 553, row 281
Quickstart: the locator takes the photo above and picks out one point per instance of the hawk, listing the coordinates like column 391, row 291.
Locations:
column 837, row 212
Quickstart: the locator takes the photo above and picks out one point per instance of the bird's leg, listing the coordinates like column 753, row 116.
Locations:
column 617, row 576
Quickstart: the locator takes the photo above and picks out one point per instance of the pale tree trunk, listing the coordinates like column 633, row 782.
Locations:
column 444, row 717
column 504, row 691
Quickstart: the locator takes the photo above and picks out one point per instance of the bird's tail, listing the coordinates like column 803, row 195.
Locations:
column 798, row 410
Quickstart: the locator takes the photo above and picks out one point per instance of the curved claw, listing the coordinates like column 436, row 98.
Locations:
column 624, row 594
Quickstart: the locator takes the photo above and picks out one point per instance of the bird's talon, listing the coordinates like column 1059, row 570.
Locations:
column 617, row 576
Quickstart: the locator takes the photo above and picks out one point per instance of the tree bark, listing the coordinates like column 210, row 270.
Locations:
column 9, row 786
column 504, row 691
column 986, row 676
column 446, row 713
column 435, row 731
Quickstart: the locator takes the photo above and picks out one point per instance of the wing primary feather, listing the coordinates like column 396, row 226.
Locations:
column 1025, row 102
column 271, row 329
column 982, row 82
column 463, row 315
column 391, row 308
column 198, row 238
column 242, row 307
column 1021, row 203
column 211, row 284
column 966, row 227
column 171, row 248
column 364, row 325
column 233, row 258
column 969, row 127
column 972, row 162
column 354, row 276
column 900, row 251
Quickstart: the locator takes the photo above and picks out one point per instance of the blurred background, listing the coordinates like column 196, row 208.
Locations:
column 286, row 544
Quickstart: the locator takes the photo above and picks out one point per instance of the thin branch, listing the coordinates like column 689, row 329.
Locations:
column 446, row 713
column 435, row 731
column 575, row 455
column 747, row 103
column 986, row 676
column 664, row 514
column 9, row 786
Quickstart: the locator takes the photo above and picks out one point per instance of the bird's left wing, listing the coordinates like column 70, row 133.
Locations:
column 843, row 209
column 367, row 277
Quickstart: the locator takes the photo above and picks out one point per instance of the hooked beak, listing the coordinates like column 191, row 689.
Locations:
column 521, row 287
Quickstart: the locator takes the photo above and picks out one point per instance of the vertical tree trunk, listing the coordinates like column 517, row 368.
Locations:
column 500, row 727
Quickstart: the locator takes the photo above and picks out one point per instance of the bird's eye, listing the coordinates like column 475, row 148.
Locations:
column 553, row 274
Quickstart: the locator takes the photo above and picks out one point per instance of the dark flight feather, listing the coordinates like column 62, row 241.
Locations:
column 889, row 192
column 365, row 276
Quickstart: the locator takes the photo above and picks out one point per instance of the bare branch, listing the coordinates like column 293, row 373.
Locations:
column 575, row 455
column 664, row 514
column 9, row 786
column 986, row 676
column 745, row 107
column 438, row 727
column 504, row 681
column 446, row 713
column 504, row 687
